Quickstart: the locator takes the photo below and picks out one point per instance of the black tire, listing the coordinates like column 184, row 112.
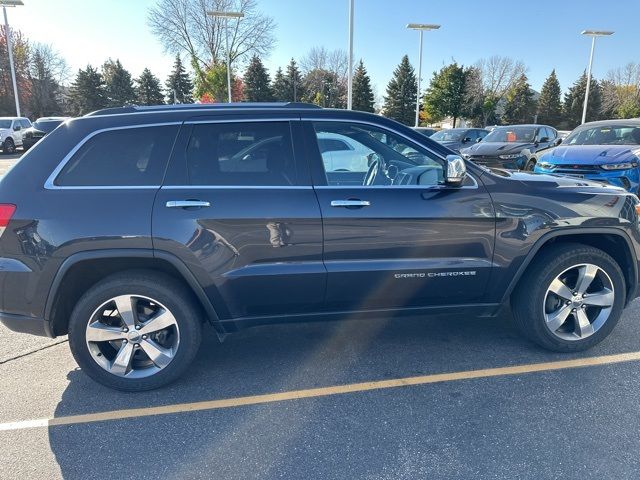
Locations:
column 8, row 146
column 530, row 165
column 527, row 302
column 161, row 288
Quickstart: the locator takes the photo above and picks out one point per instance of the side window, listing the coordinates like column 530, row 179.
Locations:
column 332, row 145
column 125, row 157
column 552, row 134
column 482, row 133
column 25, row 123
column 16, row 123
column 247, row 154
column 378, row 157
column 472, row 135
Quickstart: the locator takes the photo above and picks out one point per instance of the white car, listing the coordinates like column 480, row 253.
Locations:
column 343, row 154
column 11, row 129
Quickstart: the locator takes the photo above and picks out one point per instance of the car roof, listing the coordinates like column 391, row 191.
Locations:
column 203, row 107
column 604, row 123
column 525, row 125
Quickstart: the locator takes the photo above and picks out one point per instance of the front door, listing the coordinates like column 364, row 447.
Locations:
column 401, row 238
column 239, row 210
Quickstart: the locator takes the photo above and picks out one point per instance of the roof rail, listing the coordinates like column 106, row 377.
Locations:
column 199, row 106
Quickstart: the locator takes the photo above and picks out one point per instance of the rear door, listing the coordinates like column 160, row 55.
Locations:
column 406, row 242
column 237, row 207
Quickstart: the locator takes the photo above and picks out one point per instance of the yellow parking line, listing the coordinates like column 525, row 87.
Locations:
column 319, row 392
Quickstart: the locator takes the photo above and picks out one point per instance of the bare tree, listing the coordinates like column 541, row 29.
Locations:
column 621, row 92
column 184, row 26
column 319, row 58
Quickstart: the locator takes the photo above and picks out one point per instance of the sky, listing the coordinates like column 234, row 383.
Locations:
column 544, row 34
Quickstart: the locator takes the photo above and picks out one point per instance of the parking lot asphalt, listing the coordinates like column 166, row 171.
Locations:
column 566, row 423
column 352, row 400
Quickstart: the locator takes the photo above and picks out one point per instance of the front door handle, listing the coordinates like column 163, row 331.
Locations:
column 187, row 204
column 350, row 203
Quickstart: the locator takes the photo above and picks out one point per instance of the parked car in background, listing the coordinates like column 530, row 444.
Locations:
column 425, row 131
column 11, row 132
column 458, row 138
column 514, row 147
column 607, row 150
column 39, row 129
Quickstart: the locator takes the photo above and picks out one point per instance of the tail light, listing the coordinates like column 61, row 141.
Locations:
column 6, row 212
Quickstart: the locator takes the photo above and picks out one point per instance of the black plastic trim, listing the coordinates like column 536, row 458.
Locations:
column 24, row 324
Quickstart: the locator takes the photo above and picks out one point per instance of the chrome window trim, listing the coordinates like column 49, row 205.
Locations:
column 364, row 122
column 236, row 187
column 49, row 184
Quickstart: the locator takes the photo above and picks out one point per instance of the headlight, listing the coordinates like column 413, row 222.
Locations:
column 619, row 166
column 546, row 166
column 511, row 156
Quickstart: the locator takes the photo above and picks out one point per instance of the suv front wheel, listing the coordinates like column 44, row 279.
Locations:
column 570, row 299
column 135, row 331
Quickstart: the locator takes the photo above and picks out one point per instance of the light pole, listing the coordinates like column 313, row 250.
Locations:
column 421, row 27
column 350, row 78
column 5, row 4
column 593, row 34
column 227, row 16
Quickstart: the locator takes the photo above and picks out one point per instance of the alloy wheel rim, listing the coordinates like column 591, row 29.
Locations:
column 578, row 302
column 132, row 336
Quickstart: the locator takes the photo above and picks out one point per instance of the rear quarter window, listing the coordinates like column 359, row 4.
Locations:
column 123, row 157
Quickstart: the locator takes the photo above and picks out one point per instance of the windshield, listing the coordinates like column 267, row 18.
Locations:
column 46, row 125
column 5, row 123
column 511, row 134
column 448, row 135
column 605, row 135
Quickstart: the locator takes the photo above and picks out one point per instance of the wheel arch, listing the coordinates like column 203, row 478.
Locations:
column 82, row 270
column 613, row 241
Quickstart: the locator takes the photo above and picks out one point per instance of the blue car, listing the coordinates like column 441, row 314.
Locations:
column 608, row 151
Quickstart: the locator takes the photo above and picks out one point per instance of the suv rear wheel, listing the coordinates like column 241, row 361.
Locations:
column 571, row 299
column 135, row 331
column 8, row 146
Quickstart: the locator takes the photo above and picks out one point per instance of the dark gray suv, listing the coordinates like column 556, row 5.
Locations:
column 130, row 228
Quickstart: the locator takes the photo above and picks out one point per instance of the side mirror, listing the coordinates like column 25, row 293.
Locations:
column 466, row 139
column 544, row 140
column 479, row 140
column 17, row 128
column 557, row 142
column 456, row 170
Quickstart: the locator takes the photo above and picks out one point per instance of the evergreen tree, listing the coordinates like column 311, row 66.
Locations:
column 400, row 101
column 519, row 106
column 323, row 88
column 295, row 90
column 257, row 84
column 148, row 90
column 474, row 97
column 45, row 90
column 445, row 96
column 279, row 86
column 118, row 84
column 179, row 85
column 363, row 98
column 550, row 103
column 574, row 102
column 87, row 92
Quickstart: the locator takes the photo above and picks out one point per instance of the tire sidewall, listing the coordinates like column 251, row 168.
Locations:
column 184, row 313
column 549, row 274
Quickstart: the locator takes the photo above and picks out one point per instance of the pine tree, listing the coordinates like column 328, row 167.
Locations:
column 446, row 93
column 118, row 84
column 550, row 103
column 279, row 86
column 520, row 105
column 574, row 102
column 179, row 85
column 257, row 84
column 148, row 90
column 363, row 98
column 87, row 92
column 400, row 101
column 45, row 90
column 295, row 90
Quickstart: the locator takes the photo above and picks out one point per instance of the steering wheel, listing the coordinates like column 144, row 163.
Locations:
column 376, row 166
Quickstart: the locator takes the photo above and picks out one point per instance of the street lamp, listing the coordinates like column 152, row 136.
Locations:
column 227, row 16
column 5, row 4
column 350, row 79
column 421, row 27
column 593, row 34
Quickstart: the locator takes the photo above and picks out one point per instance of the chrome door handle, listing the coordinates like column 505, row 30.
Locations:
column 350, row 203
column 187, row 204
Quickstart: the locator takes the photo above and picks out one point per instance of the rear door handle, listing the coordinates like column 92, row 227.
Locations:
column 350, row 203
column 187, row 204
